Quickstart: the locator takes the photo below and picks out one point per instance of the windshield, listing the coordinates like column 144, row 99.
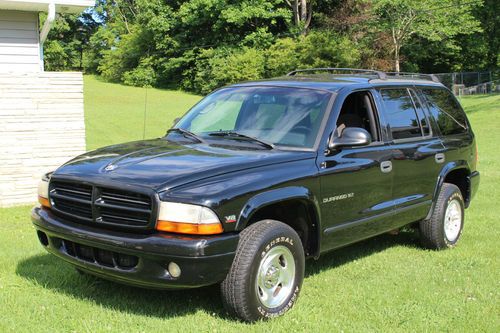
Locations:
column 276, row 115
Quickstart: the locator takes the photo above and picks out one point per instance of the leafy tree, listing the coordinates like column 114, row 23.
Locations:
column 201, row 44
column 489, row 15
column 66, row 41
column 302, row 13
column 434, row 20
column 99, row 43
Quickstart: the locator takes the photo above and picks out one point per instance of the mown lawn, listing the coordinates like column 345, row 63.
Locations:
column 115, row 113
column 384, row 284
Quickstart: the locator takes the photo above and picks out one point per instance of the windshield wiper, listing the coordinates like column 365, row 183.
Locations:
column 186, row 133
column 239, row 135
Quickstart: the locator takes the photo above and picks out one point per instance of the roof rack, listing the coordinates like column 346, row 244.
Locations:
column 381, row 75
column 431, row 77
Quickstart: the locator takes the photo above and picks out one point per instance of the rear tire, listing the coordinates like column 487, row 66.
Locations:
column 444, row 228
column 267, row 272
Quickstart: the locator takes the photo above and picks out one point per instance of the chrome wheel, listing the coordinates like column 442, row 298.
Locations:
column 275, row 277
column 453, row 220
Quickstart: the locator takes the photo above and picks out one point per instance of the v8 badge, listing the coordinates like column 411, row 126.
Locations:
column 230, row 218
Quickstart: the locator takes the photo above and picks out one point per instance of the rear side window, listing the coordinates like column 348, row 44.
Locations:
column 424, row 123
column 401, row 114
column 446, row 110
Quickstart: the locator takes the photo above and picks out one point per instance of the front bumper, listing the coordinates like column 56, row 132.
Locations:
column 137, row 259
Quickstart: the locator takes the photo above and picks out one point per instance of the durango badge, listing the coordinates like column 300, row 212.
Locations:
column 338, row 197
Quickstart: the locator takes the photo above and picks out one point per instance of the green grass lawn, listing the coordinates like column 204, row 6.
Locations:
column 384, row 284
column 114, row 113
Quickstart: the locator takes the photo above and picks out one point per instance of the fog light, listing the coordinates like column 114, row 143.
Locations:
column 174, row 270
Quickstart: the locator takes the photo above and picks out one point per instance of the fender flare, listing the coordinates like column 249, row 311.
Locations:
column 449, row 167
column 267, row 198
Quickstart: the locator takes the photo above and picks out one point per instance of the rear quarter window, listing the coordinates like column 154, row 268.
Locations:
column 449, row 116
column 401, row 114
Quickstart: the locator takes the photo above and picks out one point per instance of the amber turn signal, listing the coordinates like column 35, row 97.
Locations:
column 189, row 228
column 44, row 201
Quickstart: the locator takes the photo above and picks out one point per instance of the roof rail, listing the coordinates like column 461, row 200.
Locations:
column 381, row 75
column 414, row 75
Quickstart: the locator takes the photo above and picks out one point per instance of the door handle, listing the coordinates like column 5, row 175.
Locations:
column 386, row 166
column 439, row 157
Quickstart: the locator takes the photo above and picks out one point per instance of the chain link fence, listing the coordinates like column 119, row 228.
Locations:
column 470, row 83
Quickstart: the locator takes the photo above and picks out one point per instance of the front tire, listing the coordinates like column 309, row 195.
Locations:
column 444, row 228
column 267, row 272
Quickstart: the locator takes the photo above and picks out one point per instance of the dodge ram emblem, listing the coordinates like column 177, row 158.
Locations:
column 110, row 167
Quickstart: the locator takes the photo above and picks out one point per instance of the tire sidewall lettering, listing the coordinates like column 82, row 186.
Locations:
column 279, row 311
column 278, row 240
column 267, row 314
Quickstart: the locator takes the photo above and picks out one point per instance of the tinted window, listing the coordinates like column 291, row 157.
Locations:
column 400, row 114
column 424, row 123
column 448, row 113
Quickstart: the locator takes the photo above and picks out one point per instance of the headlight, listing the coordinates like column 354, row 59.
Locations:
column 187, row 219
column 43, row 190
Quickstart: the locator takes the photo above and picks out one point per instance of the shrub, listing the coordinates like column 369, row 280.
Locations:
column 124, row 55
column 55, row 57
column 282, row 57
column 327, row 49
column 317, row 49
column 143, row 75
column 219, row 67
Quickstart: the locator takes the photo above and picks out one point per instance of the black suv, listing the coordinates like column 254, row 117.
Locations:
column 259, row 176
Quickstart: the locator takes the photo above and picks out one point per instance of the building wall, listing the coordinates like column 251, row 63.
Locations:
column 19, row 42
column 41, row 127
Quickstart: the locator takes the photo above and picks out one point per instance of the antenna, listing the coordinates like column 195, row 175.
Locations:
column 145, row 111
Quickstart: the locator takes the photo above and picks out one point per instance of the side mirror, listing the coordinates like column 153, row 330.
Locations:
column 350, row 137
column 176, row 120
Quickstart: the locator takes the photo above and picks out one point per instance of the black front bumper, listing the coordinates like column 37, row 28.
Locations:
column 137, row 259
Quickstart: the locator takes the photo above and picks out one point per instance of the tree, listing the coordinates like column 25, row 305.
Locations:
column 67, row 38
column 356, row 20
column 489, row 15
column 302, row 13
column 434, row 20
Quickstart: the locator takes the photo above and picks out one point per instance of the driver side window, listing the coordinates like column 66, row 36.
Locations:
column 358, row 110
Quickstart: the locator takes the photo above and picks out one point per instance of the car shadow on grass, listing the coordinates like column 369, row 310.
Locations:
column 50, row 272
column 336, row 258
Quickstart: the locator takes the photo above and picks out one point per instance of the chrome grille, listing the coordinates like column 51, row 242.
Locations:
column 101, row 205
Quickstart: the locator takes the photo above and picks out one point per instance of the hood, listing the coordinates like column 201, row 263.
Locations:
column 160, row 164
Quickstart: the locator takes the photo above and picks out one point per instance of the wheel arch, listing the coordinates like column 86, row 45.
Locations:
column 457, row 173
column 295, row 206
